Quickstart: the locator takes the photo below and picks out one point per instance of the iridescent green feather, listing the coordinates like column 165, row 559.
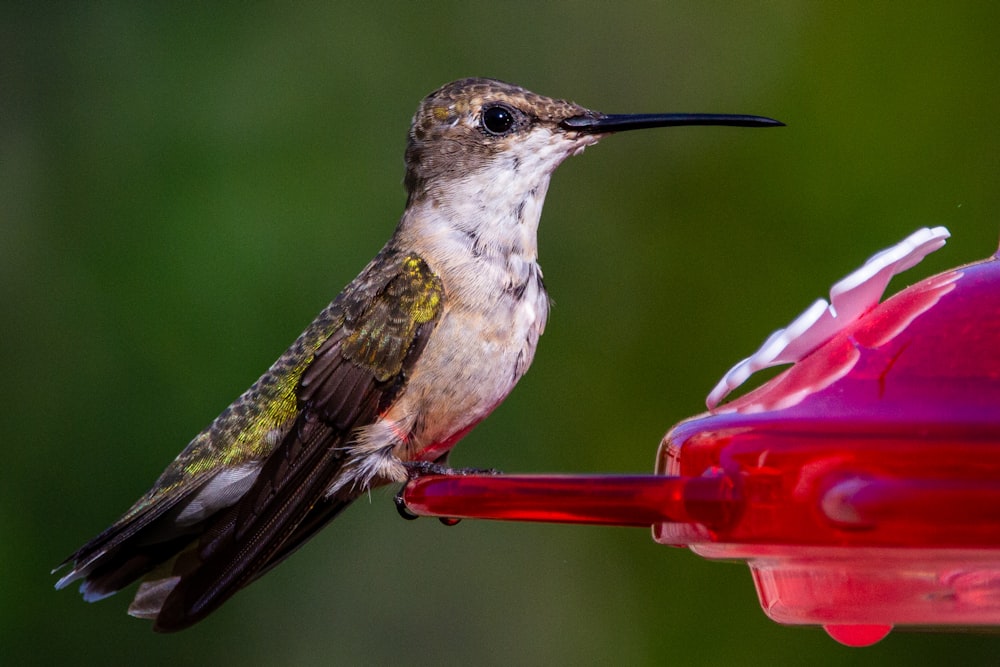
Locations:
column 384, row 337
column 252, row 426
column 383, row 313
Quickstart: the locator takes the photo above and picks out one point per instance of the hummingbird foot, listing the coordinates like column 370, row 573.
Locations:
column 405, row 512
column 421, row 468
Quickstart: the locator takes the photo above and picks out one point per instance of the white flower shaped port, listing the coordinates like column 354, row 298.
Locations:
column 850, row 298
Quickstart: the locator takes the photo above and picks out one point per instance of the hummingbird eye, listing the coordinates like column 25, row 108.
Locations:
column 498, row 120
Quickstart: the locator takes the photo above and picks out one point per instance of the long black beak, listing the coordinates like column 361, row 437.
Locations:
column 641, row 121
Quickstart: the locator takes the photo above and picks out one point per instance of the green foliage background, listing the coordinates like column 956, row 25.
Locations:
column 182, row 188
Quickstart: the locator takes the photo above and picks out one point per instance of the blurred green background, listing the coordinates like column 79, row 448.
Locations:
column 182, row 188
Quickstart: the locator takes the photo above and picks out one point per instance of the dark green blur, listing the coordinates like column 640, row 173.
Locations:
column 182, row 189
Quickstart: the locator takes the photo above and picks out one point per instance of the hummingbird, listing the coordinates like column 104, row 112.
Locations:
column 428, row 339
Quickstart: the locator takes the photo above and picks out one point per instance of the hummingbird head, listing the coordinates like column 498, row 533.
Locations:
column 476, row 129
column 483, row 130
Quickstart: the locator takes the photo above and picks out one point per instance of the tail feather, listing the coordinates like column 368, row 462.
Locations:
column 127, row 566
column 126, row 551
column 150, row 597
column 286, row 505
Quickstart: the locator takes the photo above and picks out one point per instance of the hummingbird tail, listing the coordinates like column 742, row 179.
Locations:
column 288, row 502
column 130, row 551
column 125, row 552
column 129, row 565
column 155, row 589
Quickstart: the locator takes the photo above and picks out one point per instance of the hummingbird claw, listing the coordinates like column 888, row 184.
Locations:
column 405, row 512
column 401, row 507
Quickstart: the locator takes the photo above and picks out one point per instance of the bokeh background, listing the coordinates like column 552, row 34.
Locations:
column 182, row 188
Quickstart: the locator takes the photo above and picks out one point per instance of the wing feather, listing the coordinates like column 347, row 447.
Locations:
column 353, row 377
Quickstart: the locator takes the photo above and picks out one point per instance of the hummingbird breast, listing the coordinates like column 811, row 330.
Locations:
column 483, row 344
column 494, row 308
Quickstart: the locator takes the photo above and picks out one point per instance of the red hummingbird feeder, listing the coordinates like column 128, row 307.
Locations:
column 861, row 485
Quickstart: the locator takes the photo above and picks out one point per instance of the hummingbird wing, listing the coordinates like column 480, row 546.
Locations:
column 219, row 466
column 354, row 376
